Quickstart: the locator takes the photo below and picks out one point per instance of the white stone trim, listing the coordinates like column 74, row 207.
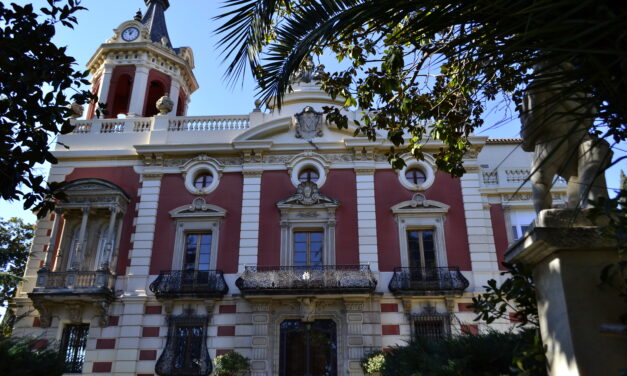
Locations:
column 308, row 160
column 198, row 165
column 249, row 231
column 422, row 166
column 366, row 218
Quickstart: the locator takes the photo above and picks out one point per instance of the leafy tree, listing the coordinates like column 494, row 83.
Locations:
column 427, row 68
column 468, row 355
column 15, row 241
column 29, row 357
column 34, row 77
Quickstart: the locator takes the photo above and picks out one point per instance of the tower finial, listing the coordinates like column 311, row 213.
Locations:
column 138, row 15
column 164, row 3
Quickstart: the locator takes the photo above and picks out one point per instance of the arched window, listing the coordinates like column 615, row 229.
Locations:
column 122, row 97
column 180, row 109
column 156, row 90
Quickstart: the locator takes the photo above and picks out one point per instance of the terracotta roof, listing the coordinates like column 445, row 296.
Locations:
column 504, row 140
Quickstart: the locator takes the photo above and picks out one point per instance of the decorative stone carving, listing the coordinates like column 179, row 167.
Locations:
column 77, row 110
column 308, row 123
column 307, row 309
column 307, row 72
column 45, row 316
column 555, row 127
column 75, row 311
column 307, row 194
column 165, row 104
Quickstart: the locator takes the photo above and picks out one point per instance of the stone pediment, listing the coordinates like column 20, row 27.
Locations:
column 95, row 193
column 198, row 208
column 307, row 194
column 419, row 204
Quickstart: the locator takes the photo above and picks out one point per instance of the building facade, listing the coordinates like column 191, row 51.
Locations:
column 272, row 234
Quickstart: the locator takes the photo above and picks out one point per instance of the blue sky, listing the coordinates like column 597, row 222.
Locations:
column 190, row 24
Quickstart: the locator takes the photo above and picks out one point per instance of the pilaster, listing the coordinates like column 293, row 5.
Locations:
column 143, row 237
column 366, row 217
column 479, row 226
column 136, row 107
column 249, row 233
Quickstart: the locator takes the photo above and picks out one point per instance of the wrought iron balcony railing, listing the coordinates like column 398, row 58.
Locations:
column 189, row 283
column 428, row 281
column 323, row 279
column 74, row 282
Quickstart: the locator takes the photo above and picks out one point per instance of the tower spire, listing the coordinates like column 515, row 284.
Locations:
column 155, row 20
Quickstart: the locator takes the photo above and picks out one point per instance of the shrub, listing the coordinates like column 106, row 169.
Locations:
column 490, row 354
column 231, row 364
column 373, row 362
column 29, row 357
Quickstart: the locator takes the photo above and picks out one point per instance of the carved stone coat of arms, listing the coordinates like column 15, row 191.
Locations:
column 308, row 123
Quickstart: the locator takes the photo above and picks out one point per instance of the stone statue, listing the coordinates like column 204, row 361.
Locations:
column 555, row 127
column 307, row 72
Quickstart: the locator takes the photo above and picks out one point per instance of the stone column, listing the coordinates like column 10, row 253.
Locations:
column 77, row 255
column 249, row 233
column 105, row 83
column 479, row 226
column 579, row 318
column 53, row 239
column 106, row 258
column 138, row 95
column 354, row 335
column 260, row 362
column 175, row 89
column 59, row 251
column 367, row 217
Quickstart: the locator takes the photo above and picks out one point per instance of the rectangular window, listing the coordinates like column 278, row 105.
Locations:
column 188, row 349
column 308, row 248
column 421, row 249
column 431, row 327
column 197, row 251
column 73, row 347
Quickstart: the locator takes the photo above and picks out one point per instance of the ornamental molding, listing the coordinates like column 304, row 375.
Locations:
column 307, row 194
column 419, row 204
column 198, row 208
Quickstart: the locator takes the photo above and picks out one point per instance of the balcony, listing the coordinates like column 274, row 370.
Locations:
column 291, row 280
column 428, row 281
column 84, row 285
column 189, row 284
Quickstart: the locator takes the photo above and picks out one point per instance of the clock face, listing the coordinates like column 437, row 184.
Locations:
column 130, row 33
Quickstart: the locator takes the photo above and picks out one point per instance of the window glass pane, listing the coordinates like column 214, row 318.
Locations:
column 429, row 249
column 308, row 248
column 415, row 176
column 413, row 249
column 308, row 175
column 203, row 180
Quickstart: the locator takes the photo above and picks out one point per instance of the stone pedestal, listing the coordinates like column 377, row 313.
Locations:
column 567, row 253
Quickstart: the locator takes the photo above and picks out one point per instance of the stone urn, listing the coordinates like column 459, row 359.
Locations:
column 165, row 104
column 77, row 110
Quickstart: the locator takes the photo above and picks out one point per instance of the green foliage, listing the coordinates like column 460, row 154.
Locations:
column 516, row 294
column 426, row 68
column 26, row 357
column 373, row 362
column 490, row 354
column 34, row 76
column 231, row 363
column 15, row 241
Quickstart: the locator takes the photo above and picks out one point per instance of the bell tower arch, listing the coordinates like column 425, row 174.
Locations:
column 138, row 65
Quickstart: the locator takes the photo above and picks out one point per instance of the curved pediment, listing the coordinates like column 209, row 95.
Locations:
column 198, row 208
column 307, row 194
column 419, row 204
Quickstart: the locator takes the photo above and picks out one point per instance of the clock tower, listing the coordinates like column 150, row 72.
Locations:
column 138, row 65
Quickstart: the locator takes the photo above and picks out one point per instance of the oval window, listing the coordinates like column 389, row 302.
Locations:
column 308, row 174
column 415, row 176
column 203, row 180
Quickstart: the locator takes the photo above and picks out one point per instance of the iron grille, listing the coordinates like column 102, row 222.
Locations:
column 73, row 347
column 194, row 283
column 432, row 326
column 296, row 279
column 428, row 281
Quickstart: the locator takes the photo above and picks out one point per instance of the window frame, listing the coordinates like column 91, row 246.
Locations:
column 63, row 345
column 196, row 218
column 309, row 230
column 421, row 214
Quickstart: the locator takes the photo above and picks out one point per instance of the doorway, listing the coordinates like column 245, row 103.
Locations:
column 308, row 348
